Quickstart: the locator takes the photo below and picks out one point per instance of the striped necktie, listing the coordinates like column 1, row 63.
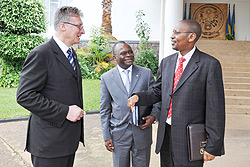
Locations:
column 71, row 59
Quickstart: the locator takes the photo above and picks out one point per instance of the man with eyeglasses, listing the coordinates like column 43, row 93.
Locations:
column 189, row 84
column 127, row 142
column 50, row 88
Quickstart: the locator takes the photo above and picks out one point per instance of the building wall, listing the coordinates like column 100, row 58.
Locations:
column 124, row 20
column 242, row 16
column 123, row 17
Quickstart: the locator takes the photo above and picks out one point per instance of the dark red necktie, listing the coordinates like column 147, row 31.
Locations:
column 177, row 77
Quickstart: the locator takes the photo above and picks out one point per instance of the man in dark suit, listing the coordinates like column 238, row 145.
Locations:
column 50, row 88
column 191, row 91
column 121, row 136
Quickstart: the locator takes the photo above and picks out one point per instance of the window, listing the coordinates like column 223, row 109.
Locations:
column 51, row 7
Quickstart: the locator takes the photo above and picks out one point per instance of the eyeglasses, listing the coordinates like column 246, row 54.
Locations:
column 177, row 33
column 79, row 26
column 125, row 53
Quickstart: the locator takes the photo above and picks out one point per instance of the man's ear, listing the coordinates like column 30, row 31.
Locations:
column 192, row 37
column 62, row 27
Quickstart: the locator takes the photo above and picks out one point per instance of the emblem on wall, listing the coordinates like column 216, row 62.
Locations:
column 212, row 18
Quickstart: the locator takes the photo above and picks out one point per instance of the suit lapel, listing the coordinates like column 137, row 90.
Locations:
column 116, row 77
column 78, row 69
column 61, row 57
column 79, row 75
column 191, row 67
column 135, row 77
column 169, row 72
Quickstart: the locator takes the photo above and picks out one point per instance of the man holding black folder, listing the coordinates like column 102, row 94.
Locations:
column 121, row 133
column 189, row 85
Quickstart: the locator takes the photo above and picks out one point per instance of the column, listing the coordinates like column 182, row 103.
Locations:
column 171, row 13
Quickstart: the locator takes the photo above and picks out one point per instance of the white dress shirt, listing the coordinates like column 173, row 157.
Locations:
column 123, row 75
column 62, row 46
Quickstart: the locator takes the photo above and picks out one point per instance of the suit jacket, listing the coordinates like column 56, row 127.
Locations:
column 198, row 98
column 48, row 86
column 115, row 115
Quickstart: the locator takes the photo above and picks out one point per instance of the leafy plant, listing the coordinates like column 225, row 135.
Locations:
column 20, row 24
column 15, row 48
column 142, row 29
column 146, row 57
column 96, row 59
column 22, row 17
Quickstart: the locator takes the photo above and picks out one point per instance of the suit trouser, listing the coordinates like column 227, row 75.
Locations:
column 66, row 161
column 166, row 150
column 124, row 148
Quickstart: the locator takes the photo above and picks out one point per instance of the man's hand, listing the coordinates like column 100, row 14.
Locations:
column 208, row 157
column 109, row 145
column 131, row 101
column 75, row 113
column 149, row 120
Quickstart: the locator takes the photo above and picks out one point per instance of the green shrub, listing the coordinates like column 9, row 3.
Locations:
column 142, row 29
column 20, row 24
column 15, row 48
column 10, row 80
column 95, row 59
column 22, row 17
column 87, row 69
column 146, row 57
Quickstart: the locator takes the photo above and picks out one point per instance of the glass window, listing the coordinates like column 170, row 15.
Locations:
column 51, row 7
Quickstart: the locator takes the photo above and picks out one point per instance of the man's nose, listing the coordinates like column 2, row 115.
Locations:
column 82, row 31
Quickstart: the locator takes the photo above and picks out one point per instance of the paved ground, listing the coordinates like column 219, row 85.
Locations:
column 13, row 134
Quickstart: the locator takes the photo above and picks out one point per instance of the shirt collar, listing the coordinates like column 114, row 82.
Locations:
column 61, row 45
column 121, row 69
column 188, row 55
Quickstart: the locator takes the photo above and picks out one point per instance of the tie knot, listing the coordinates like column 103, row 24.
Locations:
column 69, row 51
column 182, row 59
column 126, row 72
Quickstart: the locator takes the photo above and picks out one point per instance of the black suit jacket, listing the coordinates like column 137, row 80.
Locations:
column 48, row 86
column 198, row 98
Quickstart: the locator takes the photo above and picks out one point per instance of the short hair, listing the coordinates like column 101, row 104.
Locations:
column 193, row 26
column 114, row 46
column 64, row 13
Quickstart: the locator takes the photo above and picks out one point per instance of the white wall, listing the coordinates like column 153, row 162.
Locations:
column 124, row 20
column 92, row 14
column 123, row 17
column 242, row 16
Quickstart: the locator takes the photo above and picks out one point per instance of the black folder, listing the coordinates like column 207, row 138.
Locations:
column 197, row 140
column 139, row 113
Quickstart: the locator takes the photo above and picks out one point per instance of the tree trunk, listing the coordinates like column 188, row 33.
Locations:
column 106, row 19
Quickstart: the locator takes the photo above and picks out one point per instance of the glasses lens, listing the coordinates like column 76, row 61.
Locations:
column 81, row 26
column 125, row 53
column 130, row 52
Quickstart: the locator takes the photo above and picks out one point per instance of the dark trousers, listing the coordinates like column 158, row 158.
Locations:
column 66, row 161
column 166, row 150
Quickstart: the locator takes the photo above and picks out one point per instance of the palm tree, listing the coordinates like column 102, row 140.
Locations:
column 106, row 19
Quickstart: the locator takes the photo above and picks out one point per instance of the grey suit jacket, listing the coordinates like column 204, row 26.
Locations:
column 115, row 115
column 48, row 85
column 198, row 98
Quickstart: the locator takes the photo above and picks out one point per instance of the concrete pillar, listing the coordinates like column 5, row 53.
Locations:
column 171, row 13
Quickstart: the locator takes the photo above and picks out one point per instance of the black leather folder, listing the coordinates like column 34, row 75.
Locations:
column 143, row 112
column 197, row 140
column 139, row 112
